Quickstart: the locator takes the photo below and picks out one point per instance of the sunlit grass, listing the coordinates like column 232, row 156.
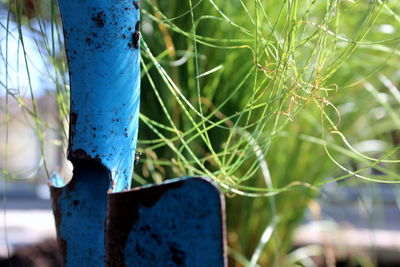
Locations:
column 271, row 100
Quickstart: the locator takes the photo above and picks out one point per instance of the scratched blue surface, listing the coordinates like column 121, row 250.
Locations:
column 105, row 83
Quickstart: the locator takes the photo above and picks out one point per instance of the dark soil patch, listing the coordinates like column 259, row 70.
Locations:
column 43, row 254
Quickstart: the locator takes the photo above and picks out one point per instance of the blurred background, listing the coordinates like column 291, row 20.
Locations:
column 292, row 107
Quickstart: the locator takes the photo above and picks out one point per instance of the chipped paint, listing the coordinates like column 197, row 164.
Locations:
column 136, row 35
column 80, row 210
column 104, row 76
column 105, row 83
column 177, row 223
column 182, row 220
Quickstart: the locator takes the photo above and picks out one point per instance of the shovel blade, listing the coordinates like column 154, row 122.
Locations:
column 177, row 223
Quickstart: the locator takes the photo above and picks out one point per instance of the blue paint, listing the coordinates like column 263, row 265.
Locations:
column 104, row 71
column 105, row 83
column 56, row 180
column 177, row 223
column 184, row 229
column 80, row 210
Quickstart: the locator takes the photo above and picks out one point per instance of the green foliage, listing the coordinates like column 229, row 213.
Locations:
column 271, row 99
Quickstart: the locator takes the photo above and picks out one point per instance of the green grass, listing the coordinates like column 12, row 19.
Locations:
column 271, row 99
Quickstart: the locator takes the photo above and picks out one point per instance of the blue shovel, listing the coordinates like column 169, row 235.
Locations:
column 100, row 221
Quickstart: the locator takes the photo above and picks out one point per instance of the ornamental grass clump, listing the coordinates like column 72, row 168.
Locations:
column 271, row 100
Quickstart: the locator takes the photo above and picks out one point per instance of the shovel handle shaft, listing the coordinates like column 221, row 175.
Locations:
column 102, row 44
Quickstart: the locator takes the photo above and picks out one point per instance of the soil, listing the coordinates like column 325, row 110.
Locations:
column 43, row 254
